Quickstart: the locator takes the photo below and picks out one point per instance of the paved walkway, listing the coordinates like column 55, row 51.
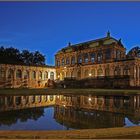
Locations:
column 130, row 132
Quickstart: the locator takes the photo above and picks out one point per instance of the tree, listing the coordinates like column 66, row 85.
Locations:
column 14, row 56
column 134, row 52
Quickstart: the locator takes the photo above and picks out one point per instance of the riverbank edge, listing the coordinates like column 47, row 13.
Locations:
column 56, row 91
column 106, row 133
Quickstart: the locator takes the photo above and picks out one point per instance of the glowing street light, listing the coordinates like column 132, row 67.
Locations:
column 89, row 74
column 89, row 99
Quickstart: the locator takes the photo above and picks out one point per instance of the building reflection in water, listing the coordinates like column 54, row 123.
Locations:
column 72, row 111
column 96, row 111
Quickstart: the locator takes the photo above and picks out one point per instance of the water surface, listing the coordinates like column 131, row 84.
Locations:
column 66, row 112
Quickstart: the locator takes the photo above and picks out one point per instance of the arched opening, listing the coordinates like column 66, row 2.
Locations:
column 40, row 75
column 117, row 71
column 52, row 75
column 107, row 72
column 26, row 74
column 79, row 74
column 93, row 72
column 126, row 71
column 2, row 73
column 86, row 73
column 10, row 74
column 46, row 75
column 100, row 72
column 33, row 75
column 18, row 74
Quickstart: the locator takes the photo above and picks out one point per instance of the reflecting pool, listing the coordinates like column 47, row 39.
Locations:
column 66, row 112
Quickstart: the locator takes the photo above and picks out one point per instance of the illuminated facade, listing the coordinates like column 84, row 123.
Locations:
column 16, row 76
column 105, row 57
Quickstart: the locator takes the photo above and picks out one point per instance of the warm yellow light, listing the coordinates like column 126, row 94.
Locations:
column 65, row 67
column 89, row 99
column 89, row 74
column 58, row 76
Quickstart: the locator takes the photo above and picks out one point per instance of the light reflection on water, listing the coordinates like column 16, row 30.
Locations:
column 66, row 112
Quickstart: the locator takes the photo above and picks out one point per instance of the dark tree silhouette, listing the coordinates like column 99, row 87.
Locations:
column 134, row 52
column 14, row 56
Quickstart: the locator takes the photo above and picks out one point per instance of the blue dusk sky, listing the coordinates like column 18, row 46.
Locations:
column 49, row 26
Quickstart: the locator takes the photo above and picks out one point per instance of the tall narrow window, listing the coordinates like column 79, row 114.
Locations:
column 52, row 75
column 86, row 58
column 73, row 60
column 26, row 74
column 40, row 75
column 67, row 61
column 46, row 75
column 99, row 57
column 18, row 74
column 92, row 57
column 2, row 73
column 33, row 75
column 63, row 62
column 108, row 54
column 80, row 59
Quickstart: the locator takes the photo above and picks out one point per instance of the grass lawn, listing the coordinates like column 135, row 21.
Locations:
column 68, row 91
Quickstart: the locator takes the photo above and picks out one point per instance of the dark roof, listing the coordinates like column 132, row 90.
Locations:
column 90, row 44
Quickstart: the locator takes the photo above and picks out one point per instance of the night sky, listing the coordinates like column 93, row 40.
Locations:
column 49, row 26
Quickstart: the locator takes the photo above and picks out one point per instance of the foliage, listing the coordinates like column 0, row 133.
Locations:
column 14, row 56
column 134, row 52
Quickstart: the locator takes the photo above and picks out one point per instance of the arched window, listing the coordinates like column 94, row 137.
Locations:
column 10, row 73
column 73, row 60
column 86, row 73
column 92, row 57
column 126, row 70
column 52, row 75
column 18, row 74
column 26, row 74
column 93, row 72
column 46, row 75
column 33, row 75
column 2, row 73
column 79, row 58
column 100, row 72
column 63, row 61
column 86, row 58
column 99, row 57
column 40, row 75
column 117, row 71
column 67, row 61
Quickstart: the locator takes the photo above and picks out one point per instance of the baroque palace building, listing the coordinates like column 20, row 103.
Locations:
column 16, row 76
column 100, row 58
